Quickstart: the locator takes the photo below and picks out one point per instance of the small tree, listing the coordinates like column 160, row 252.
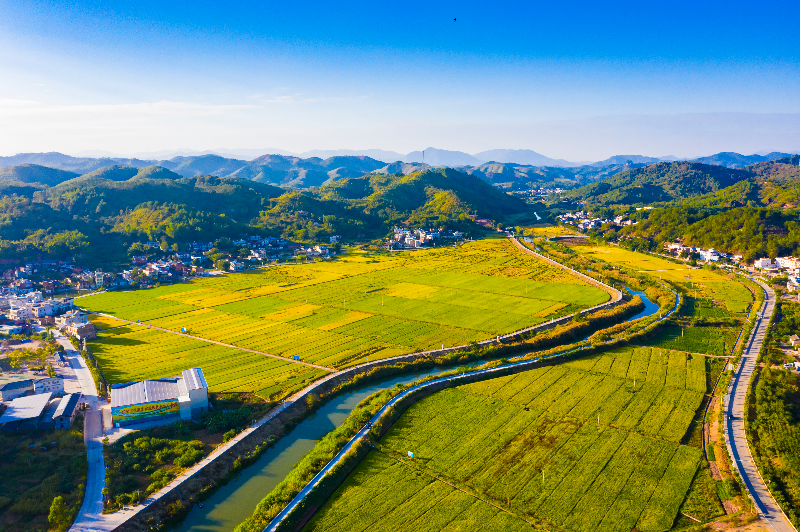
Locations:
column 58, row 517
column 312, row 401
column 51, row 372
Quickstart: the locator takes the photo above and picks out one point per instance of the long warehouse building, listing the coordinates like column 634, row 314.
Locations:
column 162, row 400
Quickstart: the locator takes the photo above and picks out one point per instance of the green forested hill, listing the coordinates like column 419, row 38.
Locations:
column 755, row 217
column 660, row 182
column 737, row 160
column 34, row 173
column 97, row 196
column 95, row 218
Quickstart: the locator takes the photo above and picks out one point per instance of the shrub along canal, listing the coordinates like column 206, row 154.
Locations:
column 235, row 502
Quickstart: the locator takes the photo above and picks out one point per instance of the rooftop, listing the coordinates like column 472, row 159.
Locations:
column 194, row 379
column 28, row 407
column 13, row 381
column 134, row 393
column 67, row 405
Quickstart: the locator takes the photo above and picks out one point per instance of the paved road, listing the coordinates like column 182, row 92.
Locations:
column 735, row 437
column 93, row 433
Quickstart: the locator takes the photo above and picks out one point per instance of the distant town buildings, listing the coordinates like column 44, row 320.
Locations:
column 583, row 220
column 419, row 238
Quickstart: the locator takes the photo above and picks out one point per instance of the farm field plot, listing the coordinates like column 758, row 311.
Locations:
column 717, row 341
column 631, row 259
column 532, row 443
column 133, row 353
column 706, row 326
column 364, row 306
column 104, row 322
column 707, row 294
column 383, row 495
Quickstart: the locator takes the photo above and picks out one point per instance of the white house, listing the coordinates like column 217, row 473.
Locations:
column 74, row 317
column 764, row 263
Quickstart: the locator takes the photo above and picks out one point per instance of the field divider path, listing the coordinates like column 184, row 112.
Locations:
column 309, row 364
column 462, row 490
column 735, row 435
column 616, row 294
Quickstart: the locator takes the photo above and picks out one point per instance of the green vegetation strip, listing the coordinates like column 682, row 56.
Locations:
column 501, row 436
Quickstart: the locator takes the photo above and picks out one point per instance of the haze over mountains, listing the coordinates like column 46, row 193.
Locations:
column 509, row 169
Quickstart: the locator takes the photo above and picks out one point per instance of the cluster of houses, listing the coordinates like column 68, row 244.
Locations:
column 31, row 399
column 534, row 192
column 678, row 250
column 788, row 266
column 32, row 306
column 18, row 311
column 418, row 238
column 583, row 220
column 58, row 276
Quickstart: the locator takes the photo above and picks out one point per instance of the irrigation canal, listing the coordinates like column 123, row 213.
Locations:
column 236, row 501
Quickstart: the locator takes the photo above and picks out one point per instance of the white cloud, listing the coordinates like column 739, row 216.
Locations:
column 16, row 102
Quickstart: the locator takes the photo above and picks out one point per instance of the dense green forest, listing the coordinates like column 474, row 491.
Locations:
column 660, row 182
column 98, row 217
column 755, row 216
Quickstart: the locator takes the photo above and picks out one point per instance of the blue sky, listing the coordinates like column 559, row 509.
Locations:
column 576, row 80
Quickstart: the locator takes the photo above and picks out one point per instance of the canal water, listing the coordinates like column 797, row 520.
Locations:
column 649, row 306
column 236, row 501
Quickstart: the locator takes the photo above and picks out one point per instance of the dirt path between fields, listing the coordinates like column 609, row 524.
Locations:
column 309, row 364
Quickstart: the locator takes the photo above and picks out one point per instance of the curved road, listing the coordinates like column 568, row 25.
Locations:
column 735, row 437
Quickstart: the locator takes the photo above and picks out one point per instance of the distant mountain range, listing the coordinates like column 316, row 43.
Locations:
column 510, row 169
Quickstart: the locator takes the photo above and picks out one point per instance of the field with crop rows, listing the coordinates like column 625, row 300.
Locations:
column 591, row 444
column 364, row 306
column 719, row 334
column 707, row 294
column 104, row 322
column 132, row 353
column 633, row 260
column 716, row 340
column 383, row 495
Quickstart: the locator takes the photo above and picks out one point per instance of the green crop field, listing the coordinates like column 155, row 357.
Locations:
column 717, row 341
column 132, row 353
column 383, row 495
column 363, row 307
column 707, row 294
column 591, row 444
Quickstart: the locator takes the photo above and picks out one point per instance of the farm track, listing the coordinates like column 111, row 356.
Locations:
column 735, row 435
column 309, row 364
column 490, row 503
